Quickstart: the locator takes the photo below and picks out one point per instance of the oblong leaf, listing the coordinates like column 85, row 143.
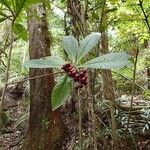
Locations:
column 46, row 62
column 108, row 61
column 71, row 46
column 88, row 43
column 61, row 92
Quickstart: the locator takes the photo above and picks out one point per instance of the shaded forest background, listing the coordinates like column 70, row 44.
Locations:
column 111, row 112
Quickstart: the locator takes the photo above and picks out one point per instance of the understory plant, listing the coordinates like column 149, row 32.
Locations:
column 75, row 68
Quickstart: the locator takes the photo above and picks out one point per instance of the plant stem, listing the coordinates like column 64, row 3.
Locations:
column 7, row 69
column 91, row 105
column 133, row 87
column 8, row 65
column 113, row 126
column 80, row 121
column 93, row 126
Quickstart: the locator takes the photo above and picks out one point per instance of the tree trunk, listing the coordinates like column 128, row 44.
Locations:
column 78, row 13
column 106, row 74
column 146, row 46
column 46, row 129
column 108, row 90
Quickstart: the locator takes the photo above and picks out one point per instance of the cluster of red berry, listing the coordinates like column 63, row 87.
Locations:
column 80, row 77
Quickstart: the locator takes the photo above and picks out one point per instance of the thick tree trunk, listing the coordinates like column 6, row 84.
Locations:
column 46, row 129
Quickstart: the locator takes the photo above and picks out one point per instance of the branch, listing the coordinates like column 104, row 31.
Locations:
column 36, row 77
column 3, row 63
column 145, row 16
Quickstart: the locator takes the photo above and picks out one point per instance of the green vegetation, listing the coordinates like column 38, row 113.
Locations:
column 94, row 59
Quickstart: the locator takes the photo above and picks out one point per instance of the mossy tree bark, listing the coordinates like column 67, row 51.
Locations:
column 46, row 129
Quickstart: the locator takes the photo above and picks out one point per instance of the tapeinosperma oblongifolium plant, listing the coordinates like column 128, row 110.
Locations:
column 74, row 74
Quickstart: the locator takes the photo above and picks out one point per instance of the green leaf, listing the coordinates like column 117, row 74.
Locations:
column 61, row 92
column 46, row 62
column 108, row 61
column 111, row 10
column 20, row 30
column 71, row 46
column 19, row 6
column 33, row 1
column 29, row 3
column 7, row 4
column 2, row 19
column 88, row 43
column 95, row 15
column 3, row 14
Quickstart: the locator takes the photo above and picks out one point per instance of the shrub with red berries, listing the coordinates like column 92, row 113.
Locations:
column 79, row 76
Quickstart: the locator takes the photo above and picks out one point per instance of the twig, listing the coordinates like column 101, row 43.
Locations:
column 3, row 63
column 36, row 77
column 3, row 52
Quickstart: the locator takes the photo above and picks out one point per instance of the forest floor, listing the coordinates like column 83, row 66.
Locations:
column 12, row 135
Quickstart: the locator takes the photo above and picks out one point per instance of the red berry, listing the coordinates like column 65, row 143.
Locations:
column 76, row 77
column 82, row 74
column 84, row 78
column 83, row 71
column 67, row 65
column 73, row 73
column 71, row 69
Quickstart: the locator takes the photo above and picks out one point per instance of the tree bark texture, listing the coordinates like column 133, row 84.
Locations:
column 108, row 90
column 106, row 74
column 46, row 129
column 77, row 13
